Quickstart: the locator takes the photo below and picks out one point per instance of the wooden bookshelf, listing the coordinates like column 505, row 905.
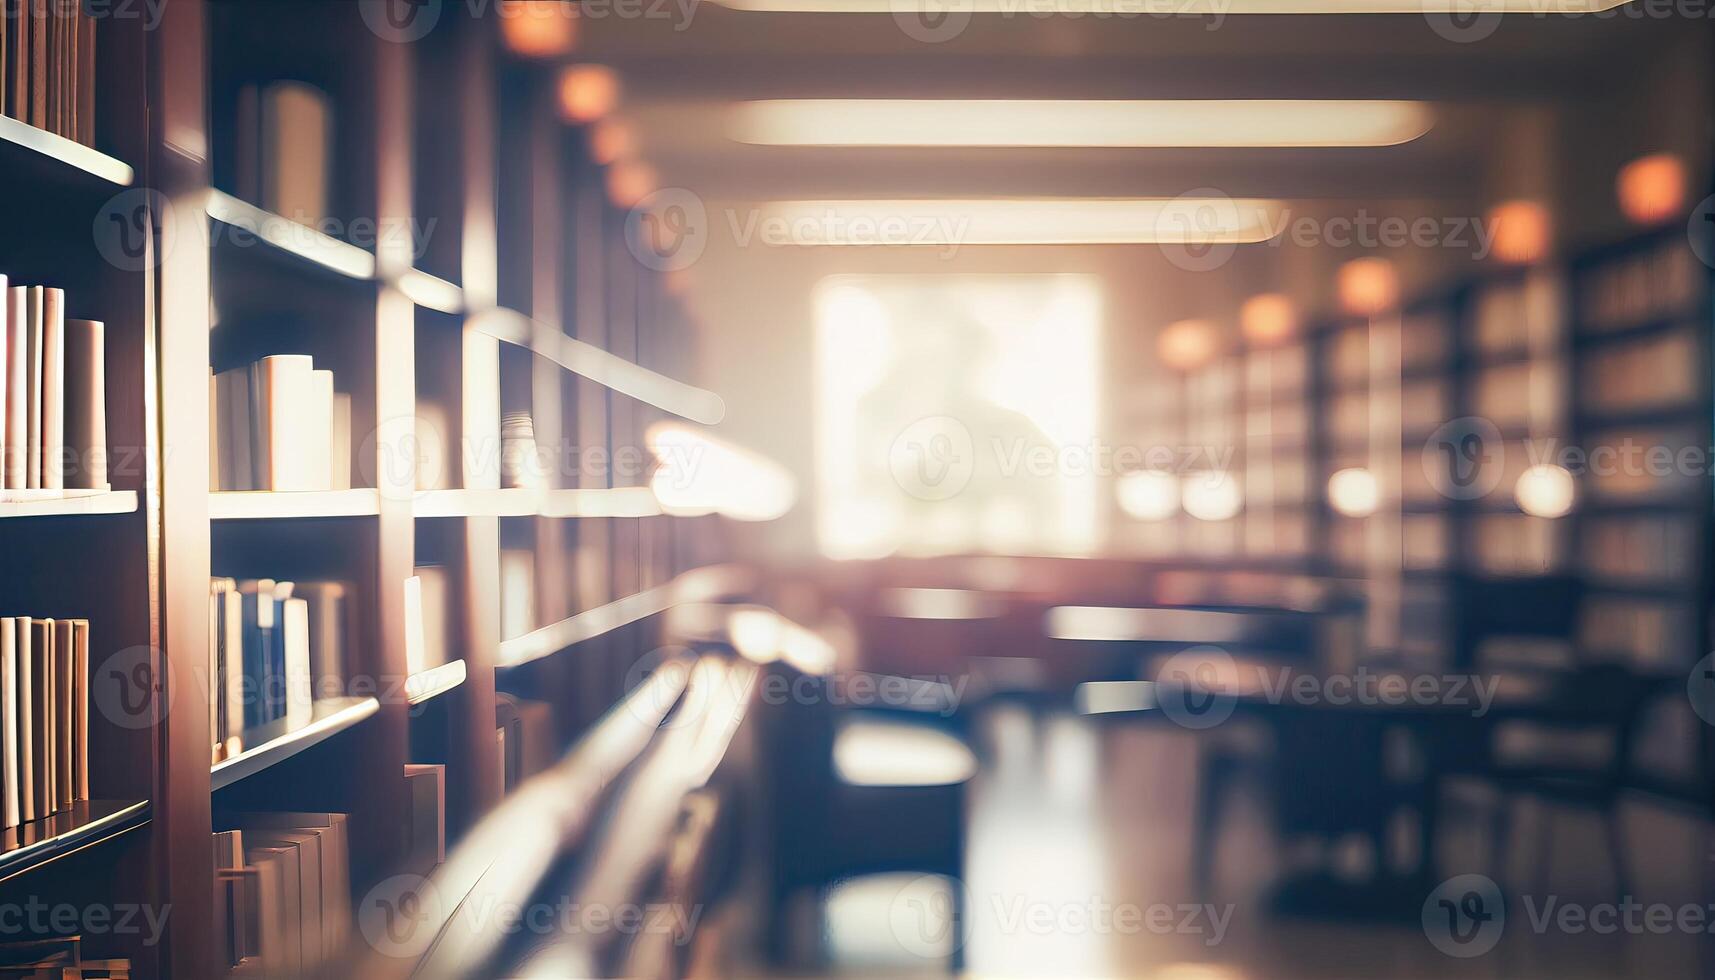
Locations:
column 70, row 503
column 434, row 682
column 50, row 158
column 87, row 824
column 256, row 505
column 273, row 743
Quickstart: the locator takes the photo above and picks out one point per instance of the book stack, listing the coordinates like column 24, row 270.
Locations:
column 282, row 892
column 56, row 959
column 427, row 847
column 54, row 436
column 278, row 424
column 274, row 648
column 44, row 717
column 524, row 737
column 47, row 67
column 426, row 626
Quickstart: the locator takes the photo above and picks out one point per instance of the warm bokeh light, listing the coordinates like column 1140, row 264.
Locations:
column 1211, row 496
column 1077, row 122
column 763, row 636
column 1545, row 490
column 1187, row 344
column 1523, row 230
column 1368, row 286
column 699, row 474
column 1268, row 319
column 1652, row 189
column 1354, row 492
column 629, row 182
column 877, row 753
column 588, row 92
column 538, row 28
column 612, row 140
column 1148, row 495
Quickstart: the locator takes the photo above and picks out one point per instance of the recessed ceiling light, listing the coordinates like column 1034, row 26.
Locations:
column 1047, row 122
column 1169, row 8
column 1023, row 221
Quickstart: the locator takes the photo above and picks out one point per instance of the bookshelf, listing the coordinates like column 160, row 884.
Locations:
column 510, row 290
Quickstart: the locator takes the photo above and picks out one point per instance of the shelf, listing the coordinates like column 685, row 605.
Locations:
column 262, row 505
column 431, row 683
column 290, row 237
column 615, row 502
column 609, row 370
column 86, row 824
column 710, row 584
column 58, row 153
column 66, row 503
column 277, row 741
column 432, row 292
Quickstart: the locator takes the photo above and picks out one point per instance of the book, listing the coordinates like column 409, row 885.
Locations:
column 295, row 139
column 24, row 635
column 34, row 339
column 80, row 709
column 414, row 643
column 53, row 387
column 85, row 405
column 10, row 813
column 320, row 411
column 330, row 631
column 5, row 345
column 231, row 665
column 517, row 592
column 304, row 924
column 233, row 430
column 295, row 650
column 283, row 444
column 283, row 908
column 435, row 587
column 258, row 657
column 340, row 441
column 43, row 791
column 428, row 788
column 16, row 389
column 335, row 867
column 64, row 778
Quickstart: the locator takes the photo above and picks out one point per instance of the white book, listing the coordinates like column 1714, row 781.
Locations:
column 284, row 448
column 53, row 388
column 232, row 659
column 26, row 721
column 80, row 709
column 296, row 134
column 34, row 338
column 9, row 786
column 329, row 630
column 17, row 387
column 296, row 630
column 434, row 587
column 414, row 645
column 233, row 429
column 341, row 462
column 320, row 409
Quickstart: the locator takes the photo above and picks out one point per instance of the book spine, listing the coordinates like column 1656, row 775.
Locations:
column 86, row 404
column 9, row 809
column 17, row 388
column 53, row 389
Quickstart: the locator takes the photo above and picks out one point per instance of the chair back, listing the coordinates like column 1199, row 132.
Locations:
column 1543, row 607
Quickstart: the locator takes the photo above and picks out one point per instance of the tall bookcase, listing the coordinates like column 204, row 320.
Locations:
column 476, row 269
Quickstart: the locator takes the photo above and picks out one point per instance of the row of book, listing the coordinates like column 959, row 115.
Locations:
column 278, row 424
column 282, row 152
column 57, row 958
column 54, row 409
column 47, row 67
column 274, row 647
column 523, row 738
column 44, row 717
column 282, row 893
column 1662, row 281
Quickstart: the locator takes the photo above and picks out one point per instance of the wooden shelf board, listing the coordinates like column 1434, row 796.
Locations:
column 70, row 154
column 242, row 505
column 270, row 744
column 54, row 503
column 432, row 291
column 615, row 502
column 433, row 682
column 606, row 369
column 701, row 585
column 86, row 824
column 291, row 237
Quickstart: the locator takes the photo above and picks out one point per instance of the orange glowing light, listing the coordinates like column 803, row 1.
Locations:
column 588, row 92
column 1523, row 232
column 1652, row 189
column 538, row 28
column 1269, row 318
column 612, row 140
column 1187, row 345
column 1368, row 287
column 629, row 182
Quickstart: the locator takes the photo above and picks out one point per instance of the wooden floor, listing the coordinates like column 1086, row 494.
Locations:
column 1078, row 867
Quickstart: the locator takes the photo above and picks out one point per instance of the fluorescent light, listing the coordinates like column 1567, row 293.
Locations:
column 1053, row 122
column 1039, row 221
column 1172, row 8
